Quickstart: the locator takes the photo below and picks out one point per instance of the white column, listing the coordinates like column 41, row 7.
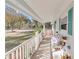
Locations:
column 36, row 42
column 52, row 27
column 43, row 27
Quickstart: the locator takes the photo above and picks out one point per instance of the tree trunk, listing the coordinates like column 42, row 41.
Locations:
column 12, row 28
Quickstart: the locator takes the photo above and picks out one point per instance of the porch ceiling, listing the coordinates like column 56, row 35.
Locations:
column 41, row 10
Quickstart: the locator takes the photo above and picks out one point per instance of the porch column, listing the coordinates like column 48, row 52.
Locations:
column 52, row 27
column 43, row 27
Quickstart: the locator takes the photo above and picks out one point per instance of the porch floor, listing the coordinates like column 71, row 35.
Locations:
column 44, row 50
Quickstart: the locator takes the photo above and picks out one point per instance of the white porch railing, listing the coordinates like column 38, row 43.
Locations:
column 26, row 49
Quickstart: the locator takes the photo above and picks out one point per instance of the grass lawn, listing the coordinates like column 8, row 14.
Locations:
column 11, row 42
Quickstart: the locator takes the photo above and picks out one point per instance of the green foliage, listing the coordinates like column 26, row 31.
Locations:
column 38, row 27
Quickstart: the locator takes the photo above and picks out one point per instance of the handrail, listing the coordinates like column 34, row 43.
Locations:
column 35, row 40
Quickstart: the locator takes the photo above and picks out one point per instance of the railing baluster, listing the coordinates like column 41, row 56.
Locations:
column 21, row 52
column 13, row 55
column 17, row 54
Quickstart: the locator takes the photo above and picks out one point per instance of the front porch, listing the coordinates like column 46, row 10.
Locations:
column 56, row 15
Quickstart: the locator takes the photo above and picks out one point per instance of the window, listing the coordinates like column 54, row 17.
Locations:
column 63, row 23
column 64, row 26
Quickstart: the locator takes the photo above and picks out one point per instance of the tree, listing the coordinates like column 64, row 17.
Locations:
column 21, row 20
column 10, row 20
column 15, row 21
